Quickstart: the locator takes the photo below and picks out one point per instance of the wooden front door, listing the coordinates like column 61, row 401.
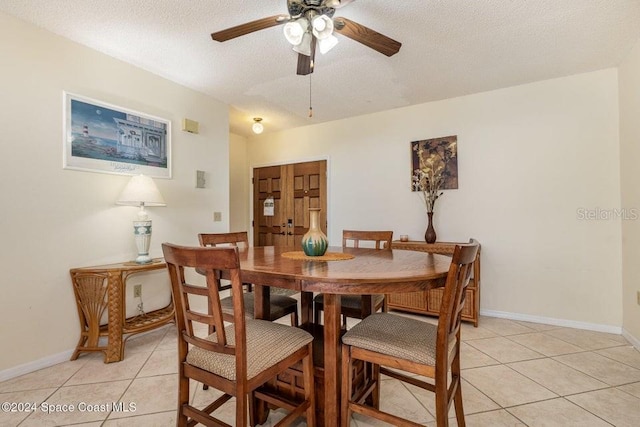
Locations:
column 293, row 188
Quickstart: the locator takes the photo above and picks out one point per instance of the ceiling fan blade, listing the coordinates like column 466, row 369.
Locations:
column 367, row 36
column 306, row 63
column 249, row 27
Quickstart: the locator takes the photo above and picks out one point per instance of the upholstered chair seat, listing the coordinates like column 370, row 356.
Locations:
column 280, row 306
column 397, row 336
column 267, row 344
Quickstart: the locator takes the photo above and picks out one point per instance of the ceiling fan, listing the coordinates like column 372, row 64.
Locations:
column 310, row 23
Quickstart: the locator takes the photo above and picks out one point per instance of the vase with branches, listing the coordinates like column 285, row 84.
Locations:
column 429, row 178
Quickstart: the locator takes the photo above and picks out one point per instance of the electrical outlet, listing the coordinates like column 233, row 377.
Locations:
column 137, row 291
column 217, row 216
column 638, row 296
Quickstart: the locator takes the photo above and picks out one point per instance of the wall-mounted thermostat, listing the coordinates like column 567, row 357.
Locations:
column 190, row 126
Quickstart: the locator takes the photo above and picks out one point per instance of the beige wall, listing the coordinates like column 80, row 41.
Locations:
column 629, row 76
column 529, row 158
column 239, row 184
column 54, row 219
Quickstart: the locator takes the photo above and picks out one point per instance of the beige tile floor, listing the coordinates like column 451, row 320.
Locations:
column 514, row 374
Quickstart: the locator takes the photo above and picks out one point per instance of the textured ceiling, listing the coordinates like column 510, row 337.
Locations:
column 449, row 48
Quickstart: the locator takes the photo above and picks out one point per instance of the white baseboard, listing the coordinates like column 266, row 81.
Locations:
column 48, row 361
column 633, row 340
column 552, row 321
column 36, row 365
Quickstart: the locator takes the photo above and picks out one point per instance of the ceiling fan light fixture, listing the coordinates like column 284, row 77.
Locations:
column 257, row 125
column 327, row 44
column 304, row 47
column 294, row 31
column 322, row 27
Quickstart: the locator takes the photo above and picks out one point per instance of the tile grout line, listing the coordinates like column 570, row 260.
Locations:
column 138, row 372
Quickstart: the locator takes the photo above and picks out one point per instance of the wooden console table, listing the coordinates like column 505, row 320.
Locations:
column 428, row 302
column 103, row 287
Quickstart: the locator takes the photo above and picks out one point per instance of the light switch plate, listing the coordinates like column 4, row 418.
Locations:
column 200, row 179
column 217, row 216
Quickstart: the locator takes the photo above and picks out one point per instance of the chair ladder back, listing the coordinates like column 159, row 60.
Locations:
column 230, row 375
column 235, row 239
column 450, row 318
column 213, row 285
column 445, row 372
column 239, row 238
column 382, row 239
column 208, row 262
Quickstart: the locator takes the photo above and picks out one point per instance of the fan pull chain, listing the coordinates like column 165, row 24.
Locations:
column 310, row 106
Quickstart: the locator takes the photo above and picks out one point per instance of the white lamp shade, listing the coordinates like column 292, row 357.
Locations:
column 327, row 44
column 322, row 27
column 305, row 46
column 295, row 30
column 141, row 191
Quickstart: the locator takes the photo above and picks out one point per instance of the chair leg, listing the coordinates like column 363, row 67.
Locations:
column 376, row 391
column 457, row 397
column 457, row 402
column 183, row 398
column 345, row 413
column 316, row 315
column 252, row 409
column 294, row 318
column 309, row 385
column 241, row 409
column 442, row 408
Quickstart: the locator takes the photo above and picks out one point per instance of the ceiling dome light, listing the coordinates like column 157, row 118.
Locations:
column 322, row 26
column 295, row 30
column 257, row 126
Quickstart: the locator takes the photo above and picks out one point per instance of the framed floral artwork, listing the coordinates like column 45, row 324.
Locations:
column 437, row 157
column 101, row 137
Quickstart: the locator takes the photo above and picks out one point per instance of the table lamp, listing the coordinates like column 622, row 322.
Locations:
column 141, row 191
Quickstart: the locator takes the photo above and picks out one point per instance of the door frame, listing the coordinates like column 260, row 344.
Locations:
column 290, row 162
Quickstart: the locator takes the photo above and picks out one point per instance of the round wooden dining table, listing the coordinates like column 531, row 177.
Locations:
column 366, row 272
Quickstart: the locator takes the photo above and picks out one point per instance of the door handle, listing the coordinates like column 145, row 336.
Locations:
column 289, row 233
column 282, row 233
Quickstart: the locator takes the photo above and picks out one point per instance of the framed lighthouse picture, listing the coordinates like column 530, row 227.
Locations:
column 100, row 137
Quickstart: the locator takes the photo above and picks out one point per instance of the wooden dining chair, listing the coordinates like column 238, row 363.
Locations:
column 280, row 305
column 351, row 305
column 238, row 358
column 410, row 345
